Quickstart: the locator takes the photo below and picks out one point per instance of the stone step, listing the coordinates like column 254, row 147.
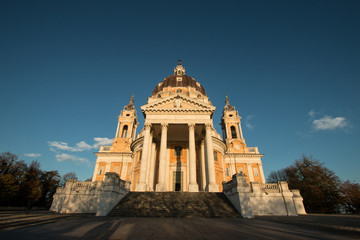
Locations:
column 174, row 204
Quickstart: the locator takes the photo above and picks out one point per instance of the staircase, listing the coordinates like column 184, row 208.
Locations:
column 174, row 204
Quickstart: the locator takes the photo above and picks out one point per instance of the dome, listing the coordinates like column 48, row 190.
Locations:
column 179, row 79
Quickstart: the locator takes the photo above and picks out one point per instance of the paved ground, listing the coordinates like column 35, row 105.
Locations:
column 45, row 225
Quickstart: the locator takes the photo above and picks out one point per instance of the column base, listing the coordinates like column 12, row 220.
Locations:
column 212, row 187
column 193, row 187
column 161, row 187
column 141, row 187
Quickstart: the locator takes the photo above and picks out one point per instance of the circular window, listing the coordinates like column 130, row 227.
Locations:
column 127, row 115
column 230, row 115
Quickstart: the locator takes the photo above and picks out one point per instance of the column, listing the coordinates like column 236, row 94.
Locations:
column 124, row 171
column 240, row 130
column 193, row 186
column 117, row 130
column 95, row 172
column 130, row 129
column 212, row 186
column 151, row 176
column 161, row 185
column 202, row 166
column 141, row 186
column 250, row 172
column 149, row 160
column 262, row 173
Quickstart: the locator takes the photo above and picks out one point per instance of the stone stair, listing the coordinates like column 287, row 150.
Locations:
column 174, row 204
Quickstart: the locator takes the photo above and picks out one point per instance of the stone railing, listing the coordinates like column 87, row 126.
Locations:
column 105, row 148
column 253, row 150
column 269, row 187
column 83, row 186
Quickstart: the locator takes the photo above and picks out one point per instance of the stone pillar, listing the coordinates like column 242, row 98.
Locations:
column 95, row 172
column 250, row 172
column 240, row 130
column 151, row 167
column 130, row 130
column 161, row 185
column 262, row 173
column 142, row 186
column 212, row 186
column 117, row 130
column 202, row 166
column 124, row 171
column 193, row 186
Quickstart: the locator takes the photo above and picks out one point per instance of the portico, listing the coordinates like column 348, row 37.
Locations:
column 177, row 157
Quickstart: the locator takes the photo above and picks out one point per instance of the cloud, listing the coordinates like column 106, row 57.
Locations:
column 102, row 141
column 329, row 123
column 32, row 155
column 80, row 146
column 247, row 122
column 311, row 113
column 71, row 158
column 63, row 146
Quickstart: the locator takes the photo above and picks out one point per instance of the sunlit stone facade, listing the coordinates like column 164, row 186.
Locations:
column 178, row 148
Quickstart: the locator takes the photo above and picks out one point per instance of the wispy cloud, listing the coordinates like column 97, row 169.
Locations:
column 329, row 123
column 71, row 158
column 248, row 124
column 80, row 146
column 32, row 155
column 311, row 113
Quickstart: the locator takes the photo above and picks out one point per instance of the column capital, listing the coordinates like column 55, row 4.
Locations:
column 147, row 126
column 191, row 125
column 208, row 126
column 164, row 125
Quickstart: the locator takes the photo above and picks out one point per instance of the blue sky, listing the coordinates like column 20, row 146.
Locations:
column 291, row 69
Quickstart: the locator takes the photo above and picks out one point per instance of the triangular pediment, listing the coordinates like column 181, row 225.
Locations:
column 178, row 103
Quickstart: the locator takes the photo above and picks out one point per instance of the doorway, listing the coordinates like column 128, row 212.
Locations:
column 177, row 181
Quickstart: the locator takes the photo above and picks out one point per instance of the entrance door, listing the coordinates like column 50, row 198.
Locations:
column 177, row 181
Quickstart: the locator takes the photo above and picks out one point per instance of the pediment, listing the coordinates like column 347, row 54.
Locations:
column 178, row 103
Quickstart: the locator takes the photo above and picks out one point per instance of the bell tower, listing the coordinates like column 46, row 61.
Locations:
column 231, row 129
column 126, row 129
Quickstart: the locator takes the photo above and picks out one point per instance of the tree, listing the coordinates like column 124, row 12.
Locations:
column 30, row 188
column 68, row 177
column 317, row 184
column 50, row 182
column 350, row 197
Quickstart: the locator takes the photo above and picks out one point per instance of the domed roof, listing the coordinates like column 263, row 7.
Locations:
column 179, row 79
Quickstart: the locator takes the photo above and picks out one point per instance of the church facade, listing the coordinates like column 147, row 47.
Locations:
column 178, row 148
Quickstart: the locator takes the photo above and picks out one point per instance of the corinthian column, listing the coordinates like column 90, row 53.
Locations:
column 212, row 186
column 141, row 186
column 161, row 185
column 193, row 186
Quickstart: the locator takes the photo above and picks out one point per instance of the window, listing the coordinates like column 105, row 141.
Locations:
column 178, row 151
column 101, row 171
column 256, row 172
column 124, row 132
column 215, row 156
column 140, row 155
column 127, row 115
column 233, row 132
column 227, row 172
column 179, row 91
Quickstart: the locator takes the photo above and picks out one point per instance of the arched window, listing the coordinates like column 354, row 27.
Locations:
column 233, row 132
column 179, row 91
column 124, row 132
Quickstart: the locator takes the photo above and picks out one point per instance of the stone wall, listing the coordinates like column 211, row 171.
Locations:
column 90, row 197
column 263, row 199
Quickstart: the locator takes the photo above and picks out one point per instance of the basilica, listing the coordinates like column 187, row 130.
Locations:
column 178, row 148
column 178, row 153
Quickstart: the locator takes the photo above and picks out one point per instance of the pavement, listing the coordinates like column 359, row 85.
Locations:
column 47, row 225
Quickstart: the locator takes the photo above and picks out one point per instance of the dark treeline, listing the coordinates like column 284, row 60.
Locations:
column 26, row 185
column 321, row 189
